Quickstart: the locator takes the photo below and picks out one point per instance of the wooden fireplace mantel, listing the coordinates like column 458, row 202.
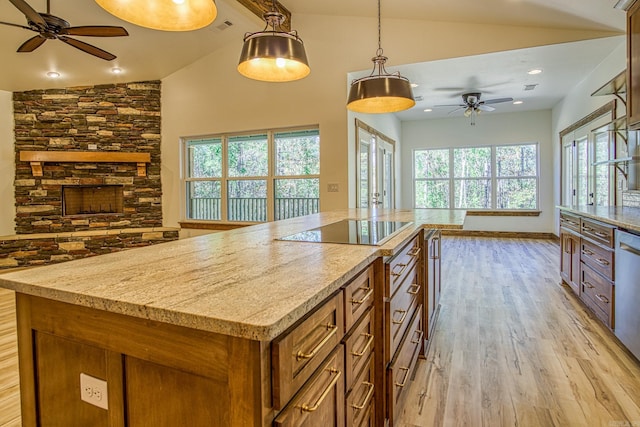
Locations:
column 37, row 158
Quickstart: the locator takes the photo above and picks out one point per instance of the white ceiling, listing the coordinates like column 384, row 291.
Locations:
column 149, row 54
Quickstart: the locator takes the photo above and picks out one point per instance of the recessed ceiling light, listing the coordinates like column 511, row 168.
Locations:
column 414, row 85
column 116, row 70
column 428, row 110
column 517, row 102
column 53, row 74
column 534, row 71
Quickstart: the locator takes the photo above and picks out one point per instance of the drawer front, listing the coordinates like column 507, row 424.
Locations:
column 399, row 312
column 358, row 346
column 598, row 231
column 361, row 398
column 598, row 289
column 358, row 297
column 401, row 266
column 570, row 221
column 598, row 258
column 298, row 352
column 321, row 400
column 402, row 366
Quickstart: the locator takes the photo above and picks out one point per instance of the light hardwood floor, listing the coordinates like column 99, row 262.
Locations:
column 511, row 348
column 514, row 348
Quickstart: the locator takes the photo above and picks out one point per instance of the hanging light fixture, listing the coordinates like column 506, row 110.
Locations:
column 380, row 92
column 165, row 15
column 273, row 55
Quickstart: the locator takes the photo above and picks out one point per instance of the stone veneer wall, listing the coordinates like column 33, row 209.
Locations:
column 118, row 118
column 115, row 117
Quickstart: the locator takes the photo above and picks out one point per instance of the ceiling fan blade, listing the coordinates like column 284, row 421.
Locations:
column 95, row 31
column 457, row 109
column 15, row 25
column 497, row 100
column 30, row 13
column 450, row 105
column 32, row 44
column 86, row 47
column 485, row 107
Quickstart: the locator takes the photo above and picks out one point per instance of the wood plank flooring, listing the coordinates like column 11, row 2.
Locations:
column 514, row 348
column 511, row 348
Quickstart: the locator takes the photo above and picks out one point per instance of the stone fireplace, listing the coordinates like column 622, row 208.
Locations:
column 87, row 173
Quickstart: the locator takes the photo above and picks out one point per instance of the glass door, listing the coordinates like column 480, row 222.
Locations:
column 374, row 169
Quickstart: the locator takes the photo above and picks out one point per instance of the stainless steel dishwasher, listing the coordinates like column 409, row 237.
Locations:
column 627, row 290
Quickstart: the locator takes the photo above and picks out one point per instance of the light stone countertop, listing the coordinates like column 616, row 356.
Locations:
column 624, row 217
column 240, row 282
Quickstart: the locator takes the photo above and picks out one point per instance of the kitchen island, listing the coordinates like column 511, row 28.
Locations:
column 184, row 332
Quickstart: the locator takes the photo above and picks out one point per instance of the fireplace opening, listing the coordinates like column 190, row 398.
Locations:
column 92, row 200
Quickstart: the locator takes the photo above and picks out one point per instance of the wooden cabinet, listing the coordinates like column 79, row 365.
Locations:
column 570, row 259
column 633, row 66
column 432, row 278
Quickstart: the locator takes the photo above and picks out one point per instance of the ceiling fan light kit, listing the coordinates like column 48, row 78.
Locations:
column 380, row 92
column 273, row 55
column 163, row 15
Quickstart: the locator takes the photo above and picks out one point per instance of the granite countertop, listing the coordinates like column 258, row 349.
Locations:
column 240, row 282
column 624, row 217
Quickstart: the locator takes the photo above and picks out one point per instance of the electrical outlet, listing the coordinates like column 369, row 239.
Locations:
column 93, row 391
column 92, row 146
column 332, row 188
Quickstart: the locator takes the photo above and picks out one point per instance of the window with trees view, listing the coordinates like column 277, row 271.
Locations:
column 255, row 177
column 495, row 177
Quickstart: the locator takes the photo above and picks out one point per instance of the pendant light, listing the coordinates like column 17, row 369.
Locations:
column 380, row 92
column 165, row 15
column 273, row 55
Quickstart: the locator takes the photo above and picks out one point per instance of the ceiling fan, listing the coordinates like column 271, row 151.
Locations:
column 52, row 27
column 472, row 105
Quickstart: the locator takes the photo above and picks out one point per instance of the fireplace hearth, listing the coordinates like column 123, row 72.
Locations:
column 92, row 200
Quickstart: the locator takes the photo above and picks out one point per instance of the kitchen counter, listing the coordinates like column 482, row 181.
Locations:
column 624, row 217
column 241, row 283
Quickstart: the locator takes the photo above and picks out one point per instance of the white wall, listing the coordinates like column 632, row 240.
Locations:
column 490, row 129
column 579, row 103
column 7, row 165
column 209, row 96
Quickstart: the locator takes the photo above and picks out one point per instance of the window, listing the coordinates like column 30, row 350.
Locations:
column 496, row 177
column 253, row 177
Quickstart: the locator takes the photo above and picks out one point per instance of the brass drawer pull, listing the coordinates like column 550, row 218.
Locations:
column 366, row 398
column 333, row 330
column 600, row 234
column 364, row 298
column 602, row 261
column 587, row 252
column 602, row 298
column 399, row 273
column 415, row 287
column 417, row 340
column 406, row 377
column 415, row 251
column 315, row 406
column 401, row 320
column 587, row 284
column 366, row 346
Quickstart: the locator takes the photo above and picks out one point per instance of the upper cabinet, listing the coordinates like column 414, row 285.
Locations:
column 633, row 66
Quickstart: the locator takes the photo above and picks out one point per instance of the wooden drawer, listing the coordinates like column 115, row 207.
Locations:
column 299, row 351
column 401, row 368
column 399, row 268
column 400, row 310
column 570, row 221
column 598, row 258
column 358, row 297
column 599, row 290
column 321, row 401
column 360, row 400
column 358, row 346
column 598, row 231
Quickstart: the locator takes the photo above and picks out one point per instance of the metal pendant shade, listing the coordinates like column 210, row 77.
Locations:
column 275, row 55
column 164, row 15
column 380, row 92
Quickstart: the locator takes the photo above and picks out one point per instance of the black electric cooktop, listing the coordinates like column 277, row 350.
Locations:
column 350, row 231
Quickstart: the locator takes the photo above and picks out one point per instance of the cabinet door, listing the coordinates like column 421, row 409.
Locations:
column 435, row 268
column 575, row 264
column 565, row 257
column 570, row 260
column 633, row 69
